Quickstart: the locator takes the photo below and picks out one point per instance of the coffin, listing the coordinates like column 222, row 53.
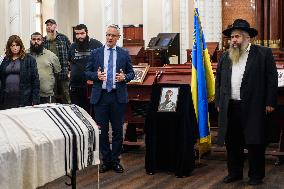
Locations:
column 40, row 144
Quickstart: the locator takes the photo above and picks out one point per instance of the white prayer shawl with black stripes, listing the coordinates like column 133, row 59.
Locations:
column 36, row 144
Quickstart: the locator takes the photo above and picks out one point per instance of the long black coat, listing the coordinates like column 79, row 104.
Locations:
column 258, row 90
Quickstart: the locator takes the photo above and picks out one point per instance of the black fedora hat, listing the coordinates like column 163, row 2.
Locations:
column 240, row 24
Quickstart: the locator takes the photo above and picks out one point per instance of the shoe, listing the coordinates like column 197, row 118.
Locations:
column 104, row 168
column 150, row 173
column 254, row 182
column 118, row 168
column 229, row 178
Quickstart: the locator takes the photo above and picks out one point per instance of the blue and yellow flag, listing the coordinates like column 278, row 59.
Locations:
column 202, row 84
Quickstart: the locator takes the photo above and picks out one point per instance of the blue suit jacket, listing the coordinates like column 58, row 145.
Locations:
column 123, row 62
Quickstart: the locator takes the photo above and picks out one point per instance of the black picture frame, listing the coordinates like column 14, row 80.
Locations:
column 168, row 99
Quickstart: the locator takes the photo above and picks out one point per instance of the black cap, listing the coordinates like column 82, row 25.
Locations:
column 50, row 21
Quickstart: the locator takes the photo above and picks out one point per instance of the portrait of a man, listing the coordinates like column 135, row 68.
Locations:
column 168, row 100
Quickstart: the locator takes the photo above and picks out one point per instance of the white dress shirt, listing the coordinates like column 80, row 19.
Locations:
column 238, row 70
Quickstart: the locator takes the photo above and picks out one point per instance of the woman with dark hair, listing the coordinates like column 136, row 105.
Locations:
column 19, row 76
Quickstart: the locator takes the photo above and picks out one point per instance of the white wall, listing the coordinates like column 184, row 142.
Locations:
column 132, row 12
column 152, row 19
column 176, row 16
column 48, row 11
column 66, row 13
column 67, row 16
column 3, row 27
column 27, row 21
column 73, row 15
column 93, row 18
column 190, row 22
column 21, row 23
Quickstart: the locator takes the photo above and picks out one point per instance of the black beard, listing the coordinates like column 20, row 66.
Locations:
column 36, row 49
column 83, row 45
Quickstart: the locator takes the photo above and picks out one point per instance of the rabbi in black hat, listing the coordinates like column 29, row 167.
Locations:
column 246, row 90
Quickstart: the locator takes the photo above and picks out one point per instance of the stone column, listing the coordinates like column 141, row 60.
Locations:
column 211, row 19
column 14, row 8
column 145, row 23
column 21, row 19
column 167, row 16
column 112, row 14
column 152, row 19
column 185, row 33
column 107, row 15
column 118, row 21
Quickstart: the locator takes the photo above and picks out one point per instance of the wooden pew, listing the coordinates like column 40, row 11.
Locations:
column 213, row 50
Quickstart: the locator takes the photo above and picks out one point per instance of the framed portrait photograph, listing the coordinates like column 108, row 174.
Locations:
column 168, row 99
column 140, row 73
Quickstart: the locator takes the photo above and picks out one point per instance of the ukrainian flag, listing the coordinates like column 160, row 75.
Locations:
column 202, row 84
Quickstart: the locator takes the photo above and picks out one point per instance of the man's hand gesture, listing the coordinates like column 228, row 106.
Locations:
column 120, row 76
column 101, row 75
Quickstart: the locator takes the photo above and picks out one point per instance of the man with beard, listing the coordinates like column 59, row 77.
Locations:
column 246, row 93
column 59, row 44
column 78, row 57
column 48, row 67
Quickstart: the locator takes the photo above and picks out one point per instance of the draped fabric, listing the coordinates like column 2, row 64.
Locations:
column 170, row 136
column 37, row 144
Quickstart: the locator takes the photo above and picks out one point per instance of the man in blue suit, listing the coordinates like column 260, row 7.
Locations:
column 110, row 69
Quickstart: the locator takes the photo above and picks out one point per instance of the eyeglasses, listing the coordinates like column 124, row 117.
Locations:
column 111, row 35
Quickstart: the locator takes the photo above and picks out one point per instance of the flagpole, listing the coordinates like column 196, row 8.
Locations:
column 201, row 85
column 195, row 4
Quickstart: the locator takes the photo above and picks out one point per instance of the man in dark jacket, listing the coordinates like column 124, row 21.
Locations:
column 59, row 44
column 79, row 54
column 246, row 91
column 110, row 68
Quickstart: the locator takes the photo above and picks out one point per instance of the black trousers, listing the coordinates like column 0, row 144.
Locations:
column 235, row 145
column 108, row 109
column 79, row 96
